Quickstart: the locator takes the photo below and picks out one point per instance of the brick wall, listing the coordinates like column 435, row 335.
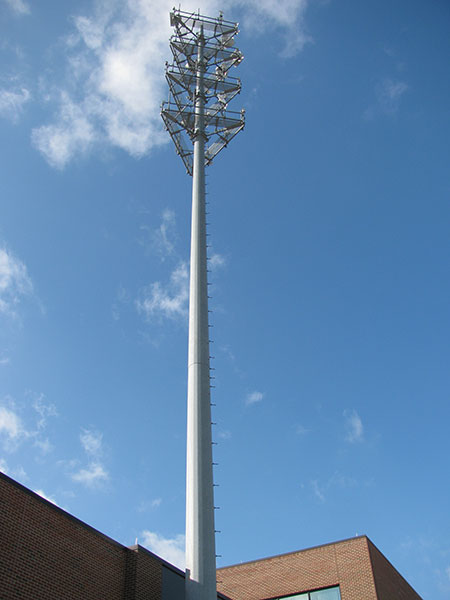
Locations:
column 345, row 563
column 148, row 580
column 46, row 554
column 388, row 581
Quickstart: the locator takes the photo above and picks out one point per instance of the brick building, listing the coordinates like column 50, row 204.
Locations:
column 47, row 554
column 352, row 569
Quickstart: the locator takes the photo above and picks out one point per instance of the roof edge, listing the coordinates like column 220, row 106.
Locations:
column 248, row 562
column 57, row 508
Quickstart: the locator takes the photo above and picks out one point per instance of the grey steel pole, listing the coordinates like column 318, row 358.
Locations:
column 200, row 541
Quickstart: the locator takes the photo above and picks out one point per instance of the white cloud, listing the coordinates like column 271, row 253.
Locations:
column 253, row 398
column 317, row 491
column 171, row 549
column 44, row 495
column 225, row 435
column 73, row 134
column 5, row 360
column 216, row 261
column 91, row 442
column 115, row 61
column 12, row 102
column 337, row 480
column 14, row 282
column 20, row 7
column 301, row 430
column 44, row 445
column 170, row 302
column 122, row 298
column 94, row 474
column 19, row 474
column 447, row 571
column 162, row 238
column 146, row 505
column 390, row 92
column 286, row 14
column 388, row 95
column 44, row 410
column 14, row 429
column 354, row 426
column 10, row 424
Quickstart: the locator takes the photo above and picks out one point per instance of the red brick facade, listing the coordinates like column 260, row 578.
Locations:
column 388, row 581
column 46, row 554
column 360, row 570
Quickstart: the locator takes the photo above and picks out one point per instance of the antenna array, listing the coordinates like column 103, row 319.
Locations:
column 219, row 55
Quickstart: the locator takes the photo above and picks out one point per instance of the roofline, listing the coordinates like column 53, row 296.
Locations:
column 133, row 548
column 57, row 508
column 248, row 562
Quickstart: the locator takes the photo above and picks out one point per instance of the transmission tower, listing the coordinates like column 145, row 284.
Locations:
column 200, row 125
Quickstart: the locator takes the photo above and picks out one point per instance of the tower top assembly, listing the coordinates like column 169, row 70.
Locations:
column 216, row 36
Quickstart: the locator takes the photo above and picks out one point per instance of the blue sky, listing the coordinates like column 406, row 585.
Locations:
column 330, row 245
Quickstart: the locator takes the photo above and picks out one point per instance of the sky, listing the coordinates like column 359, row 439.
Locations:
column 329, row 223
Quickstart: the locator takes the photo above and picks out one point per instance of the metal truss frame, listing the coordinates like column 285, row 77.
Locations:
column 218, row 89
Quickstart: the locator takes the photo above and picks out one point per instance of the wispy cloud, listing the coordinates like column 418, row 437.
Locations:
column 19, row 7
column 46, row 497
column 147, row 505
column 91, row 442
column 44, row 410
column 163, row 236
column 92, row 476
column 72, row 134
column 95, row 473
column 12, row 103
column 12, row 430
column 44, row 445
column 18, row 473
column 388, row 94
column 16, row 424
column 10, row 423
column 115, row 83
column 354, row 427
column 253, row 398
column 216, row 261
column 317, row 491
column 170, row 301
column 301, row 430
column 122, row 299
column 338, row 480
column 171, row 549
column 15, row 282
column 114, row 58
column 288, row 15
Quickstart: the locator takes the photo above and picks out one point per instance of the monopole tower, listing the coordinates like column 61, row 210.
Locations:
column 200, row 125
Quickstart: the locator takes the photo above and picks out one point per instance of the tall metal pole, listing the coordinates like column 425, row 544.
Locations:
column 200, row 542
column 200, row 90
